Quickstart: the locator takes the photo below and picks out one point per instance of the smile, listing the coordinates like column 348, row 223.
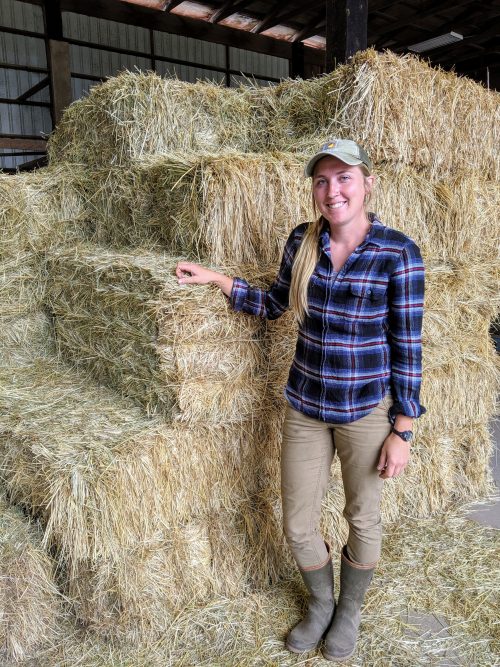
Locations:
column 337, row 205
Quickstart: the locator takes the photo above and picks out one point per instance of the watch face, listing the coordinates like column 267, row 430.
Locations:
column 407, row 435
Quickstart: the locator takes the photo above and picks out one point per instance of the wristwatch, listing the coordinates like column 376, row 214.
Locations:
column 404, row 435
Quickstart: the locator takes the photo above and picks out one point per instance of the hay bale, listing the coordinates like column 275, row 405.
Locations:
column 118, row 493
column 402, row 110
column 138, row 114
column 30, row 603
column 25, row 338
column 178, row 351
column 232, row 208
column 240, row 208
column 38, row 210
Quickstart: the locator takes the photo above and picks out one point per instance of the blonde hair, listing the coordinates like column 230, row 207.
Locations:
column 306, row 259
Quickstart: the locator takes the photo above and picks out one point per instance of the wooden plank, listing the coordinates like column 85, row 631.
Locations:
column 34, row 89
column 310, row 29
column 60, row 77
column 23, row 144
column 53, row 19
column 227, row 9
column 23, row 103
column 346, row 30
column 297, row 61
column 278, row 19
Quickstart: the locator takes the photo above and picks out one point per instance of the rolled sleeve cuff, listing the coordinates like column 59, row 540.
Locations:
column 238, row 294
column 409, row 408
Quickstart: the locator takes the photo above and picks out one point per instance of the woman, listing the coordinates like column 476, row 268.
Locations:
column 357, row 289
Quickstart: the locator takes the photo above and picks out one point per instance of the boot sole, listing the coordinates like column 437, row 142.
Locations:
column 334, row 658
column 296, row 649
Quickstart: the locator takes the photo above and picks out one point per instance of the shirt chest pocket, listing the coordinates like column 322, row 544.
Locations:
column 365, row 301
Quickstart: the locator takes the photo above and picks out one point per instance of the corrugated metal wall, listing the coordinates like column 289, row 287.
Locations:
column 26, row 52
column 21, row 15
column 172, row 56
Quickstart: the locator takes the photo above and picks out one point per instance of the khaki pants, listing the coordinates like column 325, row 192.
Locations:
column 308, row 448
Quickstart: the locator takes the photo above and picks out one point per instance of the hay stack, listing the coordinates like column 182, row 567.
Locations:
column 134, row 115
column 402, row 110
column 239, row 208
column 30, row 605
column 148, row 513
column 143, row 516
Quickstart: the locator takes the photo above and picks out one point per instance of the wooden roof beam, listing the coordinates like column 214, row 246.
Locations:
column 34, row 89
column 228, row 8
column 346, row 30
column 430, row 5
column 310, row 29
column 172, row 4
column 275, row 17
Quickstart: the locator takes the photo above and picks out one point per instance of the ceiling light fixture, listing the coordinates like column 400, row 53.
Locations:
column 436, row 42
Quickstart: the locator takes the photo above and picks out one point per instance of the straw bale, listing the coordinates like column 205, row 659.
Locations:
column 178, row 351
column 232, row 208
column 239, row 208
column 138, row 114
column 38, row 210
column 67, row 448
column 119, row 494
column 30, row 604
column 402, row 110
column 24, row 338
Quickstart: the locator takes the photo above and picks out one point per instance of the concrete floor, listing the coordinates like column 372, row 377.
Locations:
column 488, row 514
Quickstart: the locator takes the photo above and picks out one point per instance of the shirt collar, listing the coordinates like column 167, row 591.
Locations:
column 375, row 236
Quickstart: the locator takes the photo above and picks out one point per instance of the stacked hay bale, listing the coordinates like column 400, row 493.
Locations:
column 136, row 535
column 37, row 211
column 167, row 488
column 29, row 601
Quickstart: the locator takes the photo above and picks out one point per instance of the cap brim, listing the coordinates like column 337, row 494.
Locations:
column 343, row 157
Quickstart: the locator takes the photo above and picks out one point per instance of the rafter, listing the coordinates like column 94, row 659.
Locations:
column 33, row 90
column 172, row 4
column 411, row 21
column 310, row 29
column 275, row 17
column 228, row 8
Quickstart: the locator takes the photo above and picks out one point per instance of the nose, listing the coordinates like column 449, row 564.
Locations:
column 333, row 188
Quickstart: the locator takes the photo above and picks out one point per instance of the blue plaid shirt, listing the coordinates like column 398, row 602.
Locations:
column 362, row 336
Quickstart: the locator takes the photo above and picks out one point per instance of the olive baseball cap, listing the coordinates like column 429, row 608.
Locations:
column 346, row 150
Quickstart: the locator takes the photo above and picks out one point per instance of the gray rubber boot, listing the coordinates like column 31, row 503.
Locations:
column 340, row 640
column 307, row 634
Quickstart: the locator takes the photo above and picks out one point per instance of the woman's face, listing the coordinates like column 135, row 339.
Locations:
column 339, row 191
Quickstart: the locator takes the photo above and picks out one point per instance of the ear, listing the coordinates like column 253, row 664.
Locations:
column 369, row 183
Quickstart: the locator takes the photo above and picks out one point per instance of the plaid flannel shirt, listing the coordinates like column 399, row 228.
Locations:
column 362, row 336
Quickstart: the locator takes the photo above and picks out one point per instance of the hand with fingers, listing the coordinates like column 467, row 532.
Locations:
column 394, row 456
column 189, row 273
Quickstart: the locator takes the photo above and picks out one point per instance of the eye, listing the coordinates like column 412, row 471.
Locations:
column 320, row 181
column 345, row 177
